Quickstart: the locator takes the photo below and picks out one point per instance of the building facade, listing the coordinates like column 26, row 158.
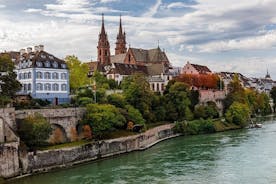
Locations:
column 42, row 75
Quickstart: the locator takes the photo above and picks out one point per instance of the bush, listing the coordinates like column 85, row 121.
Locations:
column 34, row 130
column 195, row 127
column 238, row 114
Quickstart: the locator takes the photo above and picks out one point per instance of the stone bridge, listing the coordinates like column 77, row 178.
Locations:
column 65, row 119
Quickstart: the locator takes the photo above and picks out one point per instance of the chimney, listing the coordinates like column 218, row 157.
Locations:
column 36, row 48
column 29, row 50
column 41, row 47
column 22, row 51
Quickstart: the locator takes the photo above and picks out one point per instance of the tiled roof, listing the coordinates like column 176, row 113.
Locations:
column 201, row 68
column 155, row 69
column 119, row 58
column 127, row 69
column 151, row 55
column 34, row 57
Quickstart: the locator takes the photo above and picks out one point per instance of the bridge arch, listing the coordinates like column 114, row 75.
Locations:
column 58, row 134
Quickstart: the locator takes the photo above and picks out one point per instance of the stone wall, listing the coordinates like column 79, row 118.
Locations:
column 9, row 161
column 46, row 160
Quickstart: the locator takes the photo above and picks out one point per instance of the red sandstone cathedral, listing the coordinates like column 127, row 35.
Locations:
column 127, row 61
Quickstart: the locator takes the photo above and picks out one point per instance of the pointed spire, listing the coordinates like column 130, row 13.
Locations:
column 120, row 27
column 103, row 29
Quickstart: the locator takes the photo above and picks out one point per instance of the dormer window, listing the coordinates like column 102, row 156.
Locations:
column 43, row 56
column 51, row 57
column 38, row 64
column 47, row 64
column 63, row 65
column 55, row 64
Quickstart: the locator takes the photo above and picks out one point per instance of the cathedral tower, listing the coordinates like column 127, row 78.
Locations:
column 121, row 41
column 103, row 46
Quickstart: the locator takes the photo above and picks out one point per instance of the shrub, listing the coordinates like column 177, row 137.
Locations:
column 238, row 114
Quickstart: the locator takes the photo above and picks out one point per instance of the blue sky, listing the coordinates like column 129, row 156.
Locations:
column 225, row 35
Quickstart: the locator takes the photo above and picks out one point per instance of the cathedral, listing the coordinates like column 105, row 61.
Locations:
column 154, row 63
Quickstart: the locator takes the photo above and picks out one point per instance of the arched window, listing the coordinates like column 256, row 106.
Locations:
column 38, row 75
column 38, row 64
column 63, row 87
column 29, row 75
column 55, row 64
column 29, row 87
column 55, row 75
column 47, row 75
column 63, row 76
column 55, row 87
column 39, row 87
column 25, row 75
column 47, row 64
column 47, row 87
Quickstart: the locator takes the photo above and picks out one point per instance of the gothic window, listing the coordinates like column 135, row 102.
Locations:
column 47, row 75
column 39, row 75
column 29, row 87
column 47, row 87
column 63, row 76
column 39, row 87
column 63, row 87
column 55, row 87
column 100, row 52
column 129, row 58
column 55, row 75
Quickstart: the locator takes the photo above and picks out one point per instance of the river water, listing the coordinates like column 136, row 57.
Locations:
column 237, row 157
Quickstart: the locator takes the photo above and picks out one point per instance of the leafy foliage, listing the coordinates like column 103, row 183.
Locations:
column 34, row 130
column 9, row 85
column 78, row 72
column 103, row 118
column 195, row 127
column 273, row 96
column 209, row 110
column 238, row 114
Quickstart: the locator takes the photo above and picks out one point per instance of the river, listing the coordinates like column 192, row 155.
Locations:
column 235, row 157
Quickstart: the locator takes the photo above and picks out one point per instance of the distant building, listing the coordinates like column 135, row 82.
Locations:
column 151, row 62
column 195, row 69
column 42, row 75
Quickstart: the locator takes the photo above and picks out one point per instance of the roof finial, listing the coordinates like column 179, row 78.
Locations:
column 158, row 44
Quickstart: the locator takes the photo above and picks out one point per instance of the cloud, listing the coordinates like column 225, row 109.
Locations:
column 109, row 1
column 176, row 5
column 32, row 10
column 153, row 10
column 2, row 6
column 265, row 41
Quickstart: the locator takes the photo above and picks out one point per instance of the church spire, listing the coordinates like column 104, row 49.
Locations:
column 121, row 40
column 103, row 46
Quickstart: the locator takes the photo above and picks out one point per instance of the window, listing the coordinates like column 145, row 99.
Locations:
column 47, row 87
column 38, row 64
column 63, row 87
column 39, row 87
column 63, row 65
column 157, row 87
column 29, row 75
column 47, row 75
column 25, row 87
column 20, row 76
column 63, row 76
column 55, row 87
column 47, row 64
column 29, row 87
column 55, row 64
column 129, row 58
column 25, row 75
column 39, row 75
column 55, row 75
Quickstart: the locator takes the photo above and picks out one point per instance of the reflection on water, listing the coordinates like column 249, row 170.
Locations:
column 243, row 156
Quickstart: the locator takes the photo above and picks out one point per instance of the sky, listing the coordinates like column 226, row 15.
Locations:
column 236, row 35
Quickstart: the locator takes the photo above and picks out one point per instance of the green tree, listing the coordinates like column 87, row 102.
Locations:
column 117, row 99
column 273, row 96
column 134, row 115
column 34, row 130
column 138, row 94
column 177, row 101
column 238, row 113
column 9, row 85
column 78, row 73
column 103, row 118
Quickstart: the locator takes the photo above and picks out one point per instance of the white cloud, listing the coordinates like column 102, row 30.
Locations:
column 265, row 41
column 32, row 10
column 153, row 10
column 176, row 5
column 2, row 6
column 109, row 1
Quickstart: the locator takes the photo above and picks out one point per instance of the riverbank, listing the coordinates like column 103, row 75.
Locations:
column 45, row 161
column 49, row 160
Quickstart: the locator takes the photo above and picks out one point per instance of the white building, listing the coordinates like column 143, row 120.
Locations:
column 42, row 75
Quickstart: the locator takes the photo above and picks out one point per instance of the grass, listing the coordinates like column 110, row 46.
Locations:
column 66, row 145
